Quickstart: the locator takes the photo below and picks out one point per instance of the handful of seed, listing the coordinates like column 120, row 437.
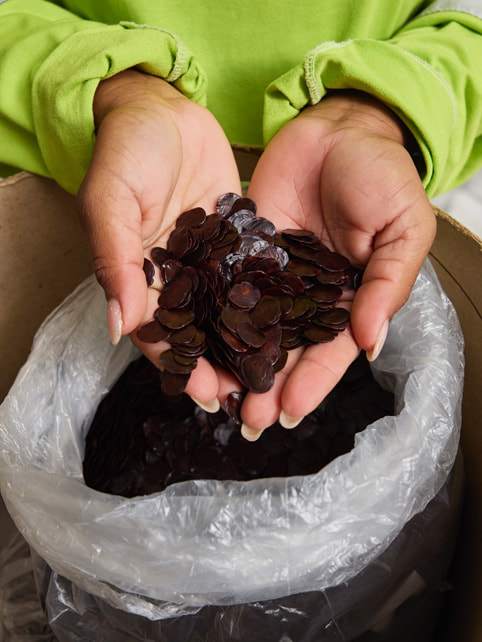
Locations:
column 242, row 294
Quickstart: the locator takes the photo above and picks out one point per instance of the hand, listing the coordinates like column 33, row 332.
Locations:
column 341, row 169
column 156, row 155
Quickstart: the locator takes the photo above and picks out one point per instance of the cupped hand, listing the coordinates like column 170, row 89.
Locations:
column 342, row 170
column 156, row 154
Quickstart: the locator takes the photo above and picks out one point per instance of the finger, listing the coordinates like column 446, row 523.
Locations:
column 399, row 251
column 315, row 374
column 111, row 218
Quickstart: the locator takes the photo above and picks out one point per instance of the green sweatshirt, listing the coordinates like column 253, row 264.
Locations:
column 254, row 63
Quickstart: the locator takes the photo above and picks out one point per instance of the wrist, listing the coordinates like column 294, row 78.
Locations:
column 352, row 108
column 128, row 86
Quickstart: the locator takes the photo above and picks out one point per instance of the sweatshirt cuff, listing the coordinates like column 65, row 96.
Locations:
column 414, row 90
column 64, row 87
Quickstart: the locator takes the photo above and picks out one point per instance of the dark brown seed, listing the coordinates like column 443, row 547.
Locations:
column 153, row 332
column 173, row 384
column 159, row 255
column 267, row 312
column 170, row 269
column 324, row 293
column 185, row 336
column 303, row 268
column 257, row 372
column 317, row 334
column 175, row 319
column 148, row 268
column 169, row 363
column 230, row 287
column 192, row 218
column 176, row 293
column 244, row 295
column 335, row 317
column 332, row 262
column 250, row 335
column 243, row 204
column 233, row 341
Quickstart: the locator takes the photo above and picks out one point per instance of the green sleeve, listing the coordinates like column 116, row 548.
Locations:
column 51, row 61
column 428, row 73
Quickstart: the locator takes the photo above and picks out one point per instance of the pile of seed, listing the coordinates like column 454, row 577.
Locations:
column 242, row 294
column 141, row 440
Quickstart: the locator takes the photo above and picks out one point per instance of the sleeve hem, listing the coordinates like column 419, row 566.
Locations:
column 362, row 65
column 64, row 87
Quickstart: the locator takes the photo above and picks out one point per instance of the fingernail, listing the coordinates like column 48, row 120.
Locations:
column 209, row 406
column 249, row 433
column 289, row 422
column 377, row 348
column 114, row 321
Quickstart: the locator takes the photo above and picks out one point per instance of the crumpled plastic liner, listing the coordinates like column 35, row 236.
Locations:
column 219, row 542
column 397, row 597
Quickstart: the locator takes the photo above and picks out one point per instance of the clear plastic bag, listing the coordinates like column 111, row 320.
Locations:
column 205, row 542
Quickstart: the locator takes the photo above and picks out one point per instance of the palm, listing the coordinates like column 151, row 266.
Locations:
column 155, row 157
column 359, row 191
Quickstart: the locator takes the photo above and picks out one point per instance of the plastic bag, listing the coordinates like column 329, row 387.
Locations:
column 208, row 542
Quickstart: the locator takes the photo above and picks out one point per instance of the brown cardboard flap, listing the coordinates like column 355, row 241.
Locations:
column 457, row 257
column 44, row 256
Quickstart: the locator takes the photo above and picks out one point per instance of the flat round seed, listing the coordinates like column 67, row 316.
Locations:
column 170, row 269
column 231, row 317
column 276, row 253
column 303, row 268
column 317, row 334
column 192, row 218
column 335, row 316
column 184, row 336
column 159, row 255
column 324, row 293
column 243, row 203
column 175, row 319
column 153, row 332
column 267, row 312
column 169, row 363
column 244, row 295
column 240, row 218
column 281, row 361
column 233, row 341
column 262, row 224
column 331, row 261
column 225, row 202
column 149, row 271
column 176, row 293
column 257, row 372
column 172, row 384
column 250, row 335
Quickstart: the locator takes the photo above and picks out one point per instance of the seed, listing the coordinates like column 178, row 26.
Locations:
column 243, row 294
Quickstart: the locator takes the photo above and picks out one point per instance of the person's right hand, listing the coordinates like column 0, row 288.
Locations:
column 157, row 154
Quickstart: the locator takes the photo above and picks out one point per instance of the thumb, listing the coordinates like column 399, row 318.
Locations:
column 111, row 217
column 398, row 254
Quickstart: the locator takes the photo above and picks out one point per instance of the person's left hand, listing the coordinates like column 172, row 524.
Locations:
column 341, row 170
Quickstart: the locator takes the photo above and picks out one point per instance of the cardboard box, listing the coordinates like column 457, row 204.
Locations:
column 44, row 256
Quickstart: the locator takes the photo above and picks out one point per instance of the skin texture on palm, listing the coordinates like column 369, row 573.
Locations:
column 156, row 154
column 340, row 169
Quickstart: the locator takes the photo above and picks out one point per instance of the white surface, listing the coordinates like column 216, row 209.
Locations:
column 465, row 204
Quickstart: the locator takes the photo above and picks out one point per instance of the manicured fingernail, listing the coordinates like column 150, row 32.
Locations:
column 289, row 422
column 249, row 433
column 209, row 406
column 114, row 321
column 377, row 348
